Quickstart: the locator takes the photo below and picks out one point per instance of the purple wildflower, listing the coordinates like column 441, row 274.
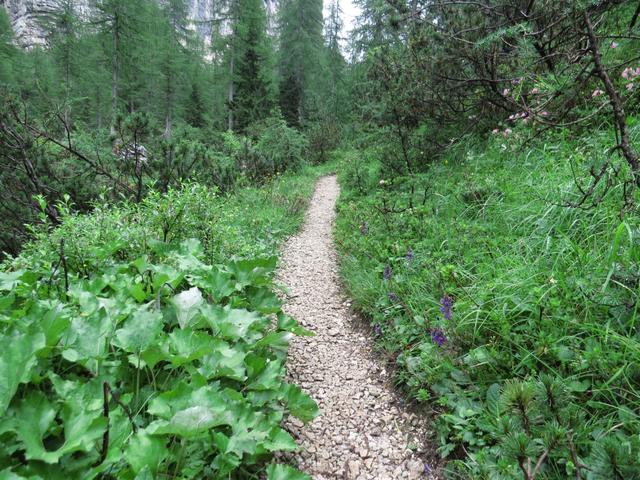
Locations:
column 387, row 272
column 410, row 256
column 364, row 228
column 438, row 336
column 393, row 297
column 377, row 329
column 427, row 468
column 446, row 306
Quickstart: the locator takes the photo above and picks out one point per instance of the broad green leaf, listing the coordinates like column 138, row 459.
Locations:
column 269, row 378
column 81, row 430
column 252, row 272
column 224, row 361
column 276, row 341
column 16, row 362
column 299, row 403
column 145, row 474
column 145, row 452
column 215, row 282
column 232, row 323
column 34, row 416
column 9, row 280
column 140, row 331
column 7, row 474
column 285, row 472
column 285, row 322
column 186, row 305
column 263, row 300
column 137, row 291
column 6, row 301
column 280, row 440
column 53, row 323
column 88, row 337
column 190, row 422
column 188, row 345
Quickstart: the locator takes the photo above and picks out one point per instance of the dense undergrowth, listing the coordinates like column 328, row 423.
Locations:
column 511, row 313
column 145, row 340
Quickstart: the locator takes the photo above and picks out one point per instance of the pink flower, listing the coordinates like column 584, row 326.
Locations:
column 495, row 131
column 511, row 117
column 629, row 86
column 535, row 91
column 596, row 93
column 506, row 132
column 544, row 114
column 614, row 45
column 637, row 72
column 505, row 92
column 625, row 73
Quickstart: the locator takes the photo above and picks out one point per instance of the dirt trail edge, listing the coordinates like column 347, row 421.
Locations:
column 362, row 432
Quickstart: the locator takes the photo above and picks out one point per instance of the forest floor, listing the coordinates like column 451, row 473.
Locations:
column 364, row 430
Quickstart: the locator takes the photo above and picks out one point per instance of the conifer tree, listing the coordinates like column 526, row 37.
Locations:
column 8, row 52
column 253, row 97
column 301, row 45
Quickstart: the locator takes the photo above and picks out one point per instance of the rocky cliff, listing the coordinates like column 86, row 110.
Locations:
column 25, row 17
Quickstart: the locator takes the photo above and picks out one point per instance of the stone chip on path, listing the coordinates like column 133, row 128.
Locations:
column 362, row 432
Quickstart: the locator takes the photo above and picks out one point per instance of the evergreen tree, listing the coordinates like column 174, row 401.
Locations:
column 252, row 77
column 301, row 44
column 173, row 57
column 62, row 26
column 8, row 52
column 117, row 25
column 194, row 112
column 335, row 62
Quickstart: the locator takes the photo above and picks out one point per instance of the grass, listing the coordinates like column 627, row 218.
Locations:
column 545, row 301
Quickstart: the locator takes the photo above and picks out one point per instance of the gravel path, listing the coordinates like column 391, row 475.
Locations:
column 363, row 431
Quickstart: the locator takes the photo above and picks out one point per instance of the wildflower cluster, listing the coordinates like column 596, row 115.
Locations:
column 410, row 256
column 386, row 274
column 631, row 75
column 438, row 337
column 446, row 307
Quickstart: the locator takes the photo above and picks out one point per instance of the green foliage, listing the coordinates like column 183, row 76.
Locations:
column 139, row 358
column 137, row 350
column 538, row 361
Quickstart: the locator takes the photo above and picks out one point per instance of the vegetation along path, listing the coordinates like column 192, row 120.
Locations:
column 363, row 432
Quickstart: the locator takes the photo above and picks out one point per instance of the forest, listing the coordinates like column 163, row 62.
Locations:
column 273, row 241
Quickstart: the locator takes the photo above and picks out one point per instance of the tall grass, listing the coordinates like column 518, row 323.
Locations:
column 540, row 290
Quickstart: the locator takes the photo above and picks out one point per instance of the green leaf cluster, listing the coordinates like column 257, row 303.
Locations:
column 157, row 366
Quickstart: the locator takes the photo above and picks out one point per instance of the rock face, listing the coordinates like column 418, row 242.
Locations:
column 25, row 18
column 26, row 15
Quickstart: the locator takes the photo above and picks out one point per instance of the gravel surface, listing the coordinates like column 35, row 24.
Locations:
column 363, row 430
